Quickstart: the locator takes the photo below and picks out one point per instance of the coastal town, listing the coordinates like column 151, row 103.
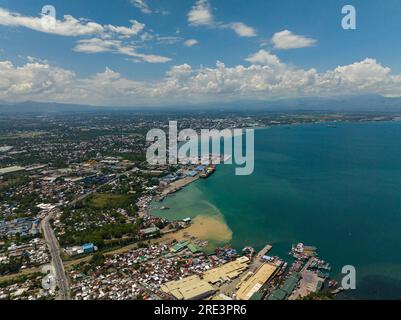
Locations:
column 75, row 200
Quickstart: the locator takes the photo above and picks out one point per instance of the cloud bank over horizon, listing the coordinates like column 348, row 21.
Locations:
column 262, row 77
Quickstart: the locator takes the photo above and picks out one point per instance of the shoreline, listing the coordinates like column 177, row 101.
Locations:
column 177, row 186
column 207, row 228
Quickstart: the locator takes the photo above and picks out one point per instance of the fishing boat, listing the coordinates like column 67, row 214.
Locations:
column 332, row 283
column 248, row 251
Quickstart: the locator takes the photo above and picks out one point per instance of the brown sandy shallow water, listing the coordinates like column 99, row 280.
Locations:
column 210, row 228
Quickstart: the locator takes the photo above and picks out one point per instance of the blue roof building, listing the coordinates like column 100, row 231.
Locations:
column 192, row 174
column 88, row 247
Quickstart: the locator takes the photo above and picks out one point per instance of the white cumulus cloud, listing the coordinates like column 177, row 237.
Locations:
column 70, row 26
column 201, row 15
column 191, row 42
column 105, row 38
column 288, row 40
column 135, row 29
column 242, row 29
column 264, row 57
column 266, row 77
column 141, row 5
column 98, row 45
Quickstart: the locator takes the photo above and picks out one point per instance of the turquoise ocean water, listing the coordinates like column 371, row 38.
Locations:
column 337, row 188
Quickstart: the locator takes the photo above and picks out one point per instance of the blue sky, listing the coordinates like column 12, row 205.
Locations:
column 128, row 52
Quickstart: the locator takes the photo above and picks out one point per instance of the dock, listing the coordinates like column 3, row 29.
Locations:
column 178, row 185
column 258, row 261
column 264, row 251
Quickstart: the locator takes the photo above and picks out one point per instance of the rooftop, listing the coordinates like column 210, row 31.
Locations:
column 252, row 284
column 188, row 288
column 227, row 271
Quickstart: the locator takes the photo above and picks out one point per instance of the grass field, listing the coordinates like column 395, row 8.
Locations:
column 107, row 200
column 10, row 183
column 19, row 274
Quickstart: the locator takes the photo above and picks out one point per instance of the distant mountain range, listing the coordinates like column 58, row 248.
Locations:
column 366, row 103
column 42, row 107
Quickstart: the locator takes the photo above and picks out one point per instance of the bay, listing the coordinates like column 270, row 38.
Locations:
column 336, row 187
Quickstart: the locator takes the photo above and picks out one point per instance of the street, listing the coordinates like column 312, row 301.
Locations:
column 54, row 248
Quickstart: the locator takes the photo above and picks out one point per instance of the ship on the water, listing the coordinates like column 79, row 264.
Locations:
column 208, row 171
column 248, row 252
column 301, row 251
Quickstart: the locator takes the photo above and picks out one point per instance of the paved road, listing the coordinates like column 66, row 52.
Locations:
column 54, row 248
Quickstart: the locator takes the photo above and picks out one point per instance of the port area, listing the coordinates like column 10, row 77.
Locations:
column 271, row 278
column 231, row 289
column 197, row 168
column 310, row 281
column 177, row 186
column 308, row 275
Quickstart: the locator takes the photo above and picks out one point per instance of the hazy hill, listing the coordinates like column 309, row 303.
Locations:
column 352, row 104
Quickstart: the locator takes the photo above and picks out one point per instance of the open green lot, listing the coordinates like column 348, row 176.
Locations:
column 109, row 201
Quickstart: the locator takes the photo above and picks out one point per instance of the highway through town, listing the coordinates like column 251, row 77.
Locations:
column 54, row 247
